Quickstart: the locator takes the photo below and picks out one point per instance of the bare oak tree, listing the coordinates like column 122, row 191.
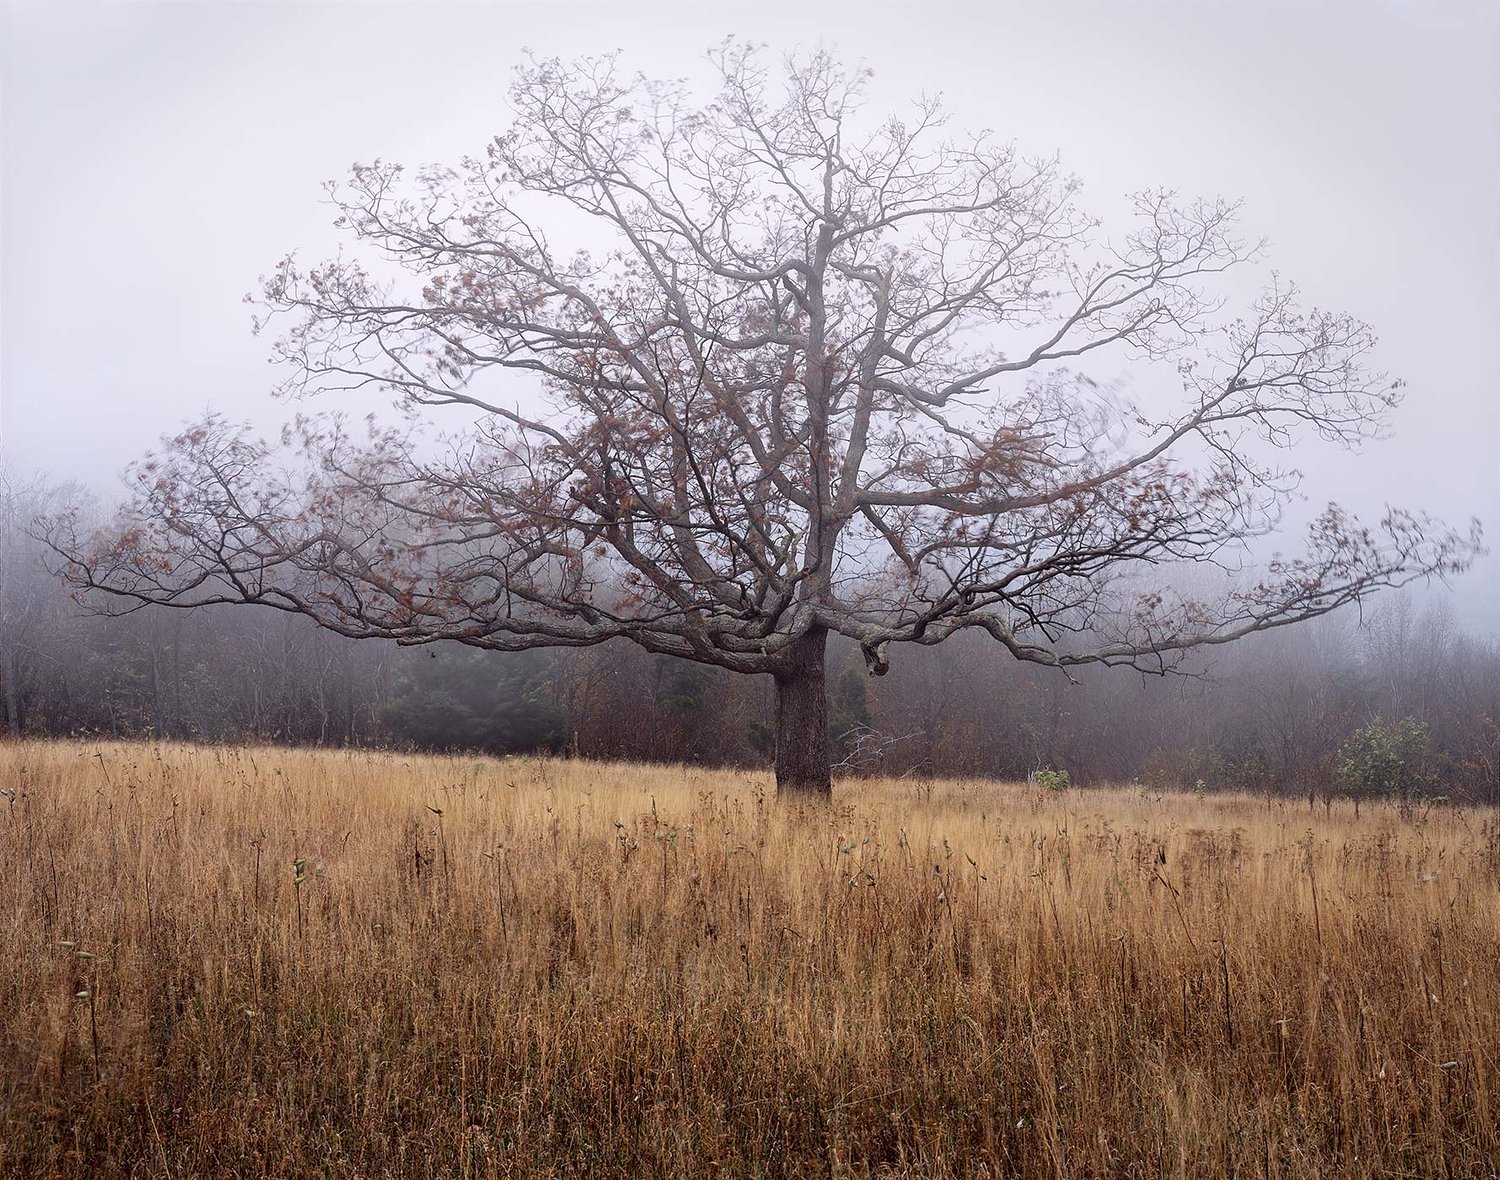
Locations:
column 820, row 374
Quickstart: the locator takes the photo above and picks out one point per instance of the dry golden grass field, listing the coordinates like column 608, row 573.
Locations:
column 262, row 962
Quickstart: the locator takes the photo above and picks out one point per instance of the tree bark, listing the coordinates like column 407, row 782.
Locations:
column 802, row 720
column 11, row 674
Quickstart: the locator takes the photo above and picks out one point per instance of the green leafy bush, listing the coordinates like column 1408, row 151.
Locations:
column 1386, row 761
column 1052, row 780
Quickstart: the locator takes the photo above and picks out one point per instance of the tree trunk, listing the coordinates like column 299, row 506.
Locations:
column 11, row 674
column 802, row 720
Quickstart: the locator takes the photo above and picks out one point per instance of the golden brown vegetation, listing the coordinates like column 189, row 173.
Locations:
column 265, row 962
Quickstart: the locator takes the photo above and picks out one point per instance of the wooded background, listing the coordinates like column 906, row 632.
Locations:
column 1267, row 714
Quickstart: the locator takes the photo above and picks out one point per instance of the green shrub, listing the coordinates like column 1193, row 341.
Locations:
column 1052, row 780
column 1386, row 761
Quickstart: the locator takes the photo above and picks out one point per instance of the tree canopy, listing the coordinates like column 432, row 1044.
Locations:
column 815, row 373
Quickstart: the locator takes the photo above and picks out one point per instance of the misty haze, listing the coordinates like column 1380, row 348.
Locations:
column 768, row 591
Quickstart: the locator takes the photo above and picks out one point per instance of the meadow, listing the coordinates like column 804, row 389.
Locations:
column 266, row 962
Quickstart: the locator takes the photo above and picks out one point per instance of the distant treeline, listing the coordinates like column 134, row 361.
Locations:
column 1268, row 714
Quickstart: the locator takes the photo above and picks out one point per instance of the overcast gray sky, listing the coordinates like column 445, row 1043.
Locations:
column 159, row 156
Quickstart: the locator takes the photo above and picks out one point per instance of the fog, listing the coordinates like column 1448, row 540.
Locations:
column 158, row 157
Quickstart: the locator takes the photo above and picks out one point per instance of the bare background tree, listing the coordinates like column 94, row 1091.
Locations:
column 26, row 589
column 822, row 376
